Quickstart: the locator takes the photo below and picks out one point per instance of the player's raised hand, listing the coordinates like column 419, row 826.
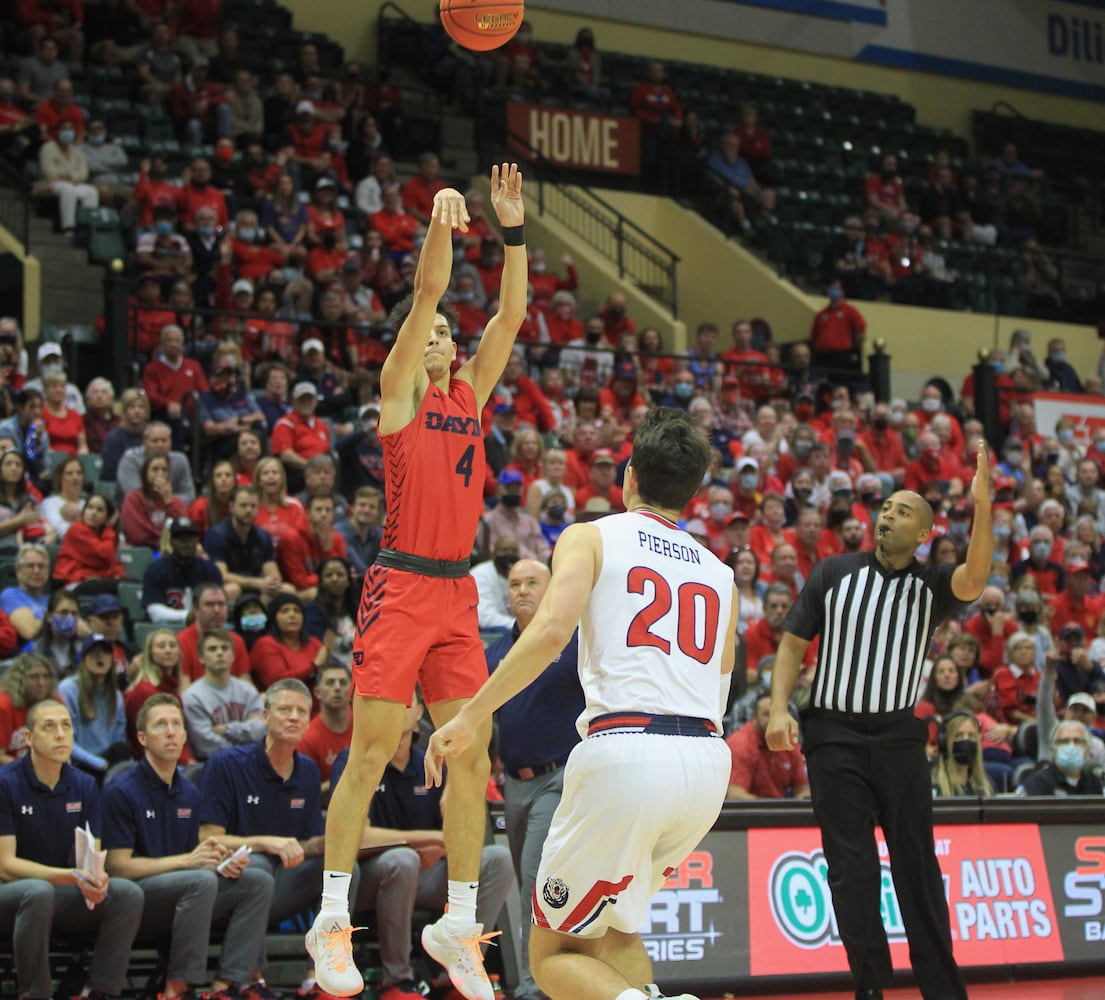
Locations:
column 980, row 485
column 506, row 194
column 450, row 209
column 450, row 740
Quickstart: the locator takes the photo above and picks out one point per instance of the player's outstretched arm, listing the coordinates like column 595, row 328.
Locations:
column 577, row 560
column 971, row 575
column 486, row 367
column 404, row 363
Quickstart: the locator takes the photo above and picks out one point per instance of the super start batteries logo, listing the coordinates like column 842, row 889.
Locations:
column 802, row 902
column 682, row 914
column 1085, row 888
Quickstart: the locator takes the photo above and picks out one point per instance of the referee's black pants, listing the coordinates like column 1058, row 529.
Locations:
column 868, row 769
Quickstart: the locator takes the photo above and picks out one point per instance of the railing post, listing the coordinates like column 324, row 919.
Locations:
column 619, row 238
column 986, row 400
column 116, row 324
column 879, row 371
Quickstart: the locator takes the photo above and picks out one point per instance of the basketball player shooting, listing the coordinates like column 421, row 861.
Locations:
column 657, row 616
column 417, row 618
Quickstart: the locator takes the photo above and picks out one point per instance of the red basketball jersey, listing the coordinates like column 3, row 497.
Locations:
column 434, row 477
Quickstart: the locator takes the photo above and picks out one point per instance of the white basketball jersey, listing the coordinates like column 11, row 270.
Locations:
column 652, row 636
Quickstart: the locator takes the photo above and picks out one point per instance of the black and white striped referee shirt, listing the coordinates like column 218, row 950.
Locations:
column 875, row 626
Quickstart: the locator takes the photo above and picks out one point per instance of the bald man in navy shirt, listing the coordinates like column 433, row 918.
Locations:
column 269, row 796
column 43, row 800
column 537, row 730
column 151, row 832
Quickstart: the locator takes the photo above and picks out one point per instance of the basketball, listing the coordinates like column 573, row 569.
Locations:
column 481, row 25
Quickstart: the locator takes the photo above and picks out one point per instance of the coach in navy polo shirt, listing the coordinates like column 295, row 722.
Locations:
column 42, row 801
column 537, row 730
column 401, row 879
column 270, row 797
column 151, row 832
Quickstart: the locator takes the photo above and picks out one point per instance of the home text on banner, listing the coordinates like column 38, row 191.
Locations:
column 574, row 138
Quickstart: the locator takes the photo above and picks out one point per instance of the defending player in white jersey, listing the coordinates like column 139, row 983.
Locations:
column 657, row 614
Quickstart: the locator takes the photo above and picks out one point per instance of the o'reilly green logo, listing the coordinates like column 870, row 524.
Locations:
column 802, row 904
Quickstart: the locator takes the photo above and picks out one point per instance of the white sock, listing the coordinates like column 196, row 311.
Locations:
column 462, row 905
column 631, row 995
column 335, row 894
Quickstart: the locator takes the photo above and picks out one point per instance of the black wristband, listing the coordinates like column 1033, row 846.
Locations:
column 514, row 236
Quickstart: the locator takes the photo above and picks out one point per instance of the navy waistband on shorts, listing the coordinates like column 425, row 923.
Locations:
column 643, row 722
column 448, row 569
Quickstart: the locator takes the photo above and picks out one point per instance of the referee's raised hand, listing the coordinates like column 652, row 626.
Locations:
column 980, row 485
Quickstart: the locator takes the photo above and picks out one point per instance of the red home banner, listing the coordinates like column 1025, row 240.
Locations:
column 995, row 879
column 581, row 140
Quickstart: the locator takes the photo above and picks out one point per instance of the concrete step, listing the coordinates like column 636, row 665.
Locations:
column 72, row 288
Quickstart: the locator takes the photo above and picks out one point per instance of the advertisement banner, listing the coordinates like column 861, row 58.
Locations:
column 861, row 11
column 574, row 138
column 1076, row 868
column 999, row 900
column 1087, row 412
column 698, row 922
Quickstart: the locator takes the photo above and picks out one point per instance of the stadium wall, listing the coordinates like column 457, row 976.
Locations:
column 941, row 101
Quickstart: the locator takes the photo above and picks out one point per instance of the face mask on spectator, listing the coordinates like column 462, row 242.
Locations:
column 65, row 626
column 163, row 227
column 1069, row 757
column 1041, row 550
column 1014, row 457
column 719, row 511
column 511, row 500
column 963, row 751
column 1003, row 532
column 749, row 480
column 66, row 136
column 930, row 404
column 205, row 232
column 555, row 512
column 880, row 423
column 1059, row 357
column 255, row 622
column 1029, row 616
column 1065, row 436
column 96, row 140
column 503, row 563
column 683, row 390
column 803, row 448
column 247, row 233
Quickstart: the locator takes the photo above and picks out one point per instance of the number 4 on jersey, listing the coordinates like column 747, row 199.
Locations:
column 464, row 466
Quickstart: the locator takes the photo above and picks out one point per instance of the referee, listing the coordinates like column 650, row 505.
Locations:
column 865, row 750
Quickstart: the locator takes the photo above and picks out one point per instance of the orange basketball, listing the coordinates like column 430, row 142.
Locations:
column 481, row 25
